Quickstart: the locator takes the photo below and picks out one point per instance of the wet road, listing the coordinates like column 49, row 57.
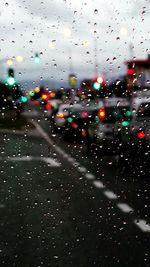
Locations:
column 60, row 206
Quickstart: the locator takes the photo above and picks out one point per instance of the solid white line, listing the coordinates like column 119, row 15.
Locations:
column 98, row 184
column 124, row 207
column 109, row 194
column 26, row 158
column 45, row 135
column 143, row 225
column 89, row 176
column 51, row 162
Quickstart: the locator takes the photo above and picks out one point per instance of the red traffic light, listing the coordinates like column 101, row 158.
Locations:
column 100, row 79
column 131, row 72
column 102, row 113
column 140, row 135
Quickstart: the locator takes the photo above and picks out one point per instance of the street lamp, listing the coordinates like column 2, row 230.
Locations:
column 19, row 59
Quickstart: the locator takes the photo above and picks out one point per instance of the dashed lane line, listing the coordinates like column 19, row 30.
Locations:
column 124, row 207
column 89, row 176
column 82, row 169
column 98, row 184
column 110, row 194
column 142, row 224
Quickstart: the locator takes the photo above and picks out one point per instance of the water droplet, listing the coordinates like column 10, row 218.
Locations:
column 96, row 11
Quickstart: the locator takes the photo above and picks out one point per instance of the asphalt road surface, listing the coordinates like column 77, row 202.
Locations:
column 61, row 207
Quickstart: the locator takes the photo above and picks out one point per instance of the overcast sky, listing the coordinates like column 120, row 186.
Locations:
column 29, row 26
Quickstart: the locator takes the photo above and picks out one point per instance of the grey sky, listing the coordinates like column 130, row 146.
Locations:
column 30, row 26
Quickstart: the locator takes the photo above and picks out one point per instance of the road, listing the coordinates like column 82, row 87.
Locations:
column 60, row 206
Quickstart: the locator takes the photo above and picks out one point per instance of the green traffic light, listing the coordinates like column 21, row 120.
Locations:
column 70, row 119
column 96, row 86
column 125, row 123
column 36, row 58
column 31, row 93
column 11, row 81
column 129, row 113
column 24, row 99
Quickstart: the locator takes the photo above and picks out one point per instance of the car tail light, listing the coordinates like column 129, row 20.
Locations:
column 73, row 125
column 48, row 106
column 84, row 114
column 83, row 132
column 44, row 97
column 60, row 115
column 140, row 135
column 102, row 113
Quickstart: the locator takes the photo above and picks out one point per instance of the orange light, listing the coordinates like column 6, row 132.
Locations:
column 52, row 94
column 102, row 114
column 60, row 115
column 83, row 132
column 37, row 90
column 44, row 97
column 140, row 135
column 100, row 79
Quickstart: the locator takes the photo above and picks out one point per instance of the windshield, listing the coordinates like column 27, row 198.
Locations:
column 74, row 137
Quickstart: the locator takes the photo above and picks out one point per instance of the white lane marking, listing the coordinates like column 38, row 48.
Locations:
column 89, row 176
column 52, row 162
column 82, row 169
column 124, row 207
column 59, row 150
column 33, row 113
column 98, row 184
column 110, row 195
column 45, row 135
column 143, row 225
column 26, row 158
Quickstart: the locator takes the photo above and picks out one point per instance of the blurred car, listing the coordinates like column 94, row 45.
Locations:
column 104, row 132
column 61, row 116
column 135, row 152
column 79, row 117
column 52, row 107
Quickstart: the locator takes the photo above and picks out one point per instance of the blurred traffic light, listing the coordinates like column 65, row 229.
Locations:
column 36, row 58
column 37, row 90
column 96, row 86
column 99, row 81
column 102, row 113
column 24, row 99
column 140, row 135
column 131, row 72
column 45, row 97
column 125, row 123
column 10, row 79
